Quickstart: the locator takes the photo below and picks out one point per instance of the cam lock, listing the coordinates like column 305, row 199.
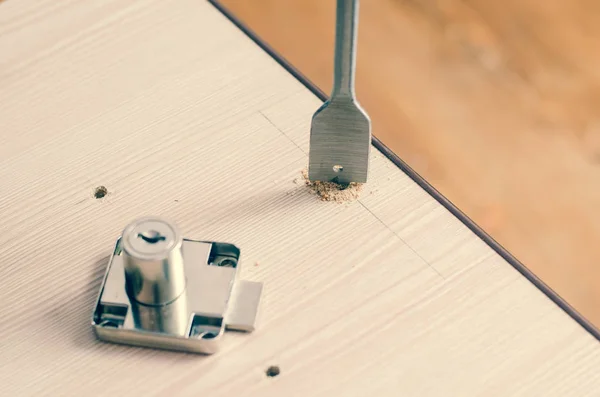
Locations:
column 163, row 291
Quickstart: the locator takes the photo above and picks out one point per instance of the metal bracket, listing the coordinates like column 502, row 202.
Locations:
column 163, row 291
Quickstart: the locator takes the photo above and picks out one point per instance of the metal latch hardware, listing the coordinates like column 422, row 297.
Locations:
column 163, row 291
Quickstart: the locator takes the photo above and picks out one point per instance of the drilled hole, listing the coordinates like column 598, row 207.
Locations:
column 338, row 168
column 272, row 371
column 100, row 192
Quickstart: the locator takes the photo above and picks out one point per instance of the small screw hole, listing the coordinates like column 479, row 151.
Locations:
column 338, row 168
column 100, row 191
column 227, row 263
column 108, row 323
column 272, row 371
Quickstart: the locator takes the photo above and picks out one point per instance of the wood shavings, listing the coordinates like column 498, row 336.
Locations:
column 331, row 191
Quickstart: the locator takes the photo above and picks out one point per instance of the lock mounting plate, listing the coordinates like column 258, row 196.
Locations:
column 213, row 302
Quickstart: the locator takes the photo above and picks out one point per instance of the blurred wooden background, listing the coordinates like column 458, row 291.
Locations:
column 495, row 103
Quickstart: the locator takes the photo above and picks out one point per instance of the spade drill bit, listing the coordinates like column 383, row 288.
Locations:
column 340, row 133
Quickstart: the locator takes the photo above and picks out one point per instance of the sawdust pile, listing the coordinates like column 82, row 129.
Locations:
column 331, row 191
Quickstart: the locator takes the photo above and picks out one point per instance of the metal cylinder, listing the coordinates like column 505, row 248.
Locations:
column 172, row 318
column 153, row 261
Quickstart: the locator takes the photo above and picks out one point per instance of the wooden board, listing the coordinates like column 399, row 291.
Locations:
column 179, row 114
column 494, row 103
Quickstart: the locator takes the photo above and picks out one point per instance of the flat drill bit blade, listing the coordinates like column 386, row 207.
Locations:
column 340, row 142
column 340, row 133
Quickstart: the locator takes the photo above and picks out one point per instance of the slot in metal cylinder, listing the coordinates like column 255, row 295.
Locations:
column 153, row 261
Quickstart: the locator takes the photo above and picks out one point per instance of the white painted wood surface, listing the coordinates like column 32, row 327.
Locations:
column 178, row 114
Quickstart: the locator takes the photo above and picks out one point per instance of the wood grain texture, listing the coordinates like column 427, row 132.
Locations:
column 179, row 114
column 494, row 103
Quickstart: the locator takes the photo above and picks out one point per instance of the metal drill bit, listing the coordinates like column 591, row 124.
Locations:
column 340, row 133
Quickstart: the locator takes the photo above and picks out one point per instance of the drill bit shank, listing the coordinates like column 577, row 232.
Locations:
column 340, row 135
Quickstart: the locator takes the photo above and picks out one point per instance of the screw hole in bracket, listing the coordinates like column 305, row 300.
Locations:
column 227, row 263
column 200, row 333
column 224, row 255
column 204, row 327
column 109, row 324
